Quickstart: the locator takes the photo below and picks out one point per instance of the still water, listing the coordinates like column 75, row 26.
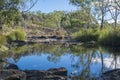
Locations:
column 86, row 62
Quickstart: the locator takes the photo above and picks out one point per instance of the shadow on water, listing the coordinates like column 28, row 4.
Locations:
column 83, row 63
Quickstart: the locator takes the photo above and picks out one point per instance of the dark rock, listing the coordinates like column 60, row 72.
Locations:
column 18, row 42
column 1, row 60
column 51, row 74
column 111, row 75
column 35, row 74
column 12, row 74
column 58, row 37
column 12, row 66
column 52, row 36
column 41, row 37
column 58, row 71
column 55, row 77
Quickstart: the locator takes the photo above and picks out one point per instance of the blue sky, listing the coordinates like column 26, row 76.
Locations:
column 47, row 6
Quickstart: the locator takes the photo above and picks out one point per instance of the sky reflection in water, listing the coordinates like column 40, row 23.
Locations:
column 90, row 63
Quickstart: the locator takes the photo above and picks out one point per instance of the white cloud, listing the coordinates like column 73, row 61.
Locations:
column 109, row 62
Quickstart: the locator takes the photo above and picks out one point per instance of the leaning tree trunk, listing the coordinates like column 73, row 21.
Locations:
column 102, row 21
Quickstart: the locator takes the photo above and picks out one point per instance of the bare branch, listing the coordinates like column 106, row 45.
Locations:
column 30, row 7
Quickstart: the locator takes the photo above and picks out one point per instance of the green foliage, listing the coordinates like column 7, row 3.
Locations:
column 77, row 20
column 3, row 39
column 12, row 36
column 18, row 34
column 3, row 48
column 53, row 19
column 9, row 12
column 19, row 50
column 85, row 35
column 109, row 36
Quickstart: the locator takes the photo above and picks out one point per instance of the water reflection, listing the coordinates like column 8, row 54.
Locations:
column 84, row 62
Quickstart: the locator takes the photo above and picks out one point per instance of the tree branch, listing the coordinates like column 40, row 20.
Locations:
column 30, row 7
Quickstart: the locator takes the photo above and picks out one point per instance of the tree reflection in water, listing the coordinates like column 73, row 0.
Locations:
column 83, row 62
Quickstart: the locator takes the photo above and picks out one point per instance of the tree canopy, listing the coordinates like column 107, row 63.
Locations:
column 10, row 10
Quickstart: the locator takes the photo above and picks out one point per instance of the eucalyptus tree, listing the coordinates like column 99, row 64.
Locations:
column 79, row 19
column 101, row 7
column 10, row 10
column 66, row 21
column 41, row 18
column 86, row 6
column 53, row 19
column 74, row 20
column 114, row 10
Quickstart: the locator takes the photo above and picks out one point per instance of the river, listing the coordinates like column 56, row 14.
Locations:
column 84, row 62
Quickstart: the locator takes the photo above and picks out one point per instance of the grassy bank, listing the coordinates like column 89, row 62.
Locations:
column 85, row 35
column 106, row 36
column 11, row 35
column 18, row 34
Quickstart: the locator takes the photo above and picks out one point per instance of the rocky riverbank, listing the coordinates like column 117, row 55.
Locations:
column 12, row 72
column 15, row 74
column 52, row 40
column 111, row 75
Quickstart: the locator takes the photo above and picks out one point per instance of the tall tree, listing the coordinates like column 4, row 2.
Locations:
column 114, row 10
column 101, row 8
column 86, row 6
column 10, row 10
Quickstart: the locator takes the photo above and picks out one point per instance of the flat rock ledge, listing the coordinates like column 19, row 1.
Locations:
column 51, row 74
column 12, row 74
column 111, row 75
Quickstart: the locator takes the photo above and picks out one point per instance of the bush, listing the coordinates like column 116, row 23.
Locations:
column 18, row 34
column 12, row 36
column 109, row 36
column 3, row 39
column 85, row 35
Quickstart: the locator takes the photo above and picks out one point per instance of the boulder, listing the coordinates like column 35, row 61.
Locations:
column 12, row 74
column 12, row 66
column 54, row 77
column 58, row 71
column 111, row 75
column 51, row 74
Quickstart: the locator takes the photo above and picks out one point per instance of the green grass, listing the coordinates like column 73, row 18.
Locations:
column 3, row 39
column 107, row 36
column 85, row 35
column 18, row 34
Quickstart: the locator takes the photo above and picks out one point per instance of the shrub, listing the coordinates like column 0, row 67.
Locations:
column 85, row 35
column 18, row 34
column 3, row 39
column 109, row 36
column 12, row 36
